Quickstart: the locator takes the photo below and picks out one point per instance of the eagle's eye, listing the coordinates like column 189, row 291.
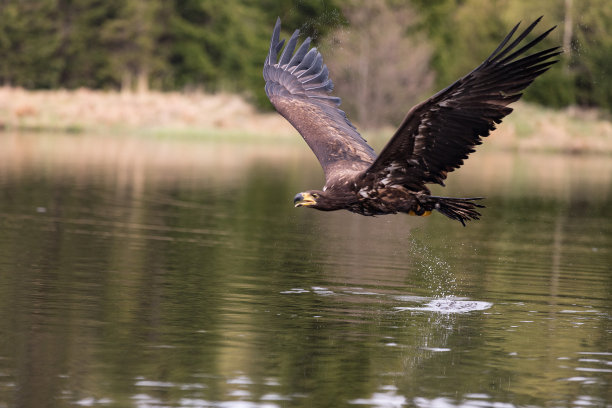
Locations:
column 315, row 195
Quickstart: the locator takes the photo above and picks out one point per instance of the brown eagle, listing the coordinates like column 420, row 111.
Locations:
column 433, row 139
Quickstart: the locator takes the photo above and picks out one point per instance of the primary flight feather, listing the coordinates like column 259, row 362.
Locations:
column 433, row 139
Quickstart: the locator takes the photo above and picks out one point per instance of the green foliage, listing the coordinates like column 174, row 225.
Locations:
column 465, row 31
column 217, row 45
column 88, row 64
column 30, row 41
column 591, row 54
column 131, row 37
column 220, row 45
column 132, row 44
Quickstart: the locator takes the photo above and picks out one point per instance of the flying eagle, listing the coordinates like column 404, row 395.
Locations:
column 433, row 139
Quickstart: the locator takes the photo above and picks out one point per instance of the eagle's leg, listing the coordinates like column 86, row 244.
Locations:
column 419, row 211
column 460, row 209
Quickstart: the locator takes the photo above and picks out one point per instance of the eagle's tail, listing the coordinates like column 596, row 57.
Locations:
column 460, row 209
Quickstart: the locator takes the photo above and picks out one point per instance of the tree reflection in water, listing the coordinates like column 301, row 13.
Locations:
column 179, row 274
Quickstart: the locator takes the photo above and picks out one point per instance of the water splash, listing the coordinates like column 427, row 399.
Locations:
column 448, row 305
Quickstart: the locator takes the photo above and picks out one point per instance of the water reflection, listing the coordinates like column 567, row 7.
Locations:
column 150, row 274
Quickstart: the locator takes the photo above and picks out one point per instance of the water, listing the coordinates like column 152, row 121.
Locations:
column 178, row 274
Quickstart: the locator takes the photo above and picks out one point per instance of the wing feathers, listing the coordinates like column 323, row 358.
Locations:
column 314, row 67
column 438, row 134
column 517, row 41
column 288, row 51
column 526, row 47
column 320, row 77
column 299, row 88
column 275, row 45
column 308, row 60
column 435, row 137
column 299, row 55
column 504, row 42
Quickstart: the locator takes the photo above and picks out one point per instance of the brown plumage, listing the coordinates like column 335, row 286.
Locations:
column 433, row 140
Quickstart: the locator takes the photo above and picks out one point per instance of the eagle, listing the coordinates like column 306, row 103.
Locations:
column 434, row 138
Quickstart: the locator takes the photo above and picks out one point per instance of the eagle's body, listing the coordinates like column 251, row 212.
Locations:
column 433, row 140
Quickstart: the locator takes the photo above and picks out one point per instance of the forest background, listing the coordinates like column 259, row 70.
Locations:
column 384, row 55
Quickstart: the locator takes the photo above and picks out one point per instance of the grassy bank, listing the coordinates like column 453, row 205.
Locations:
column 152, row 113
column 229, row 117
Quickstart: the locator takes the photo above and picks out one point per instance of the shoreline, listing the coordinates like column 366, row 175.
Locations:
column 227, row 117
column 139, row 160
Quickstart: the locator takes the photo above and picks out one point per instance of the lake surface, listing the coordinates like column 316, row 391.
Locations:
column 139, row 273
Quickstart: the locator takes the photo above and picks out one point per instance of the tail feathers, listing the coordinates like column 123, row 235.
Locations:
column 460, row 209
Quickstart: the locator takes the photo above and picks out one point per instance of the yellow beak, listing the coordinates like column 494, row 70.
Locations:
column 303, row 200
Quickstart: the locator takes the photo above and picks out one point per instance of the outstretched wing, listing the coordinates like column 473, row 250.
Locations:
column 438, row 134
column 299, row 88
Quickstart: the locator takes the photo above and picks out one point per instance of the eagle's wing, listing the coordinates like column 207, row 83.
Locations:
column 299, row 88
column 438, row 134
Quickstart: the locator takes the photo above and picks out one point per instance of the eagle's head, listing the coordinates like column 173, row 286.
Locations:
column 315, row 199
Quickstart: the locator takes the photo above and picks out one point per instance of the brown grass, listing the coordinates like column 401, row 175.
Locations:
column 90, row 111
column 572, row 130
column 529, row 128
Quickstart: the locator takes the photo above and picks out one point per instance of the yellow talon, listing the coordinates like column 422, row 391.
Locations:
column 425, row 213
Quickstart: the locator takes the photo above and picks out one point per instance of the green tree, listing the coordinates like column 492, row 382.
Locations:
column 314, row 18
column 591, row 53
column 29, row 43
column 212, row 43
column 87, row 61
column 466, row 32
column 221, row 45
column 132, row 37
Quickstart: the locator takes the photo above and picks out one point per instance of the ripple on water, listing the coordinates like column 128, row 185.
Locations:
column 387, row 397
column 448, row 305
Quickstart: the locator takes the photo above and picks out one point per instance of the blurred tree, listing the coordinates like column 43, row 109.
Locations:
column 465, row 31
column 216, row 45
column 379, row 65
column 137, row 43
column 30, row 38
column 220, row 45
column 591, row 57
column 131, row 38
column 82, row 48
column 314, row 18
